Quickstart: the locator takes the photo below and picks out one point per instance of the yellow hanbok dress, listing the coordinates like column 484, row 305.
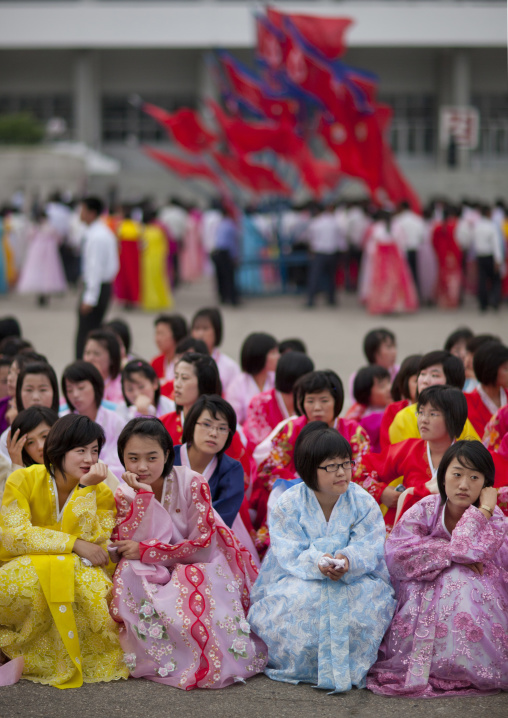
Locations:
column 54, row 609
column 155, row 289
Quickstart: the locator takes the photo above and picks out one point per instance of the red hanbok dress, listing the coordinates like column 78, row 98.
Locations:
column 481, row 408
column 391, row 412
column 126, row 285
column 265, row 412
column 409, row 459
column 280, row 465
column 449, row 257
column 496, row 429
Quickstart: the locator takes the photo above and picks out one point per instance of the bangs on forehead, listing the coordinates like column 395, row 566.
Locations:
column 465, row 462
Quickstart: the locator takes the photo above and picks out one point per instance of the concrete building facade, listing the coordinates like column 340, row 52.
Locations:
column 82, row 60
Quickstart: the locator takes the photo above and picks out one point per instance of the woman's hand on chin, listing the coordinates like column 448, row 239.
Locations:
column 96, row 475
column 132, row 480
column 95, row 554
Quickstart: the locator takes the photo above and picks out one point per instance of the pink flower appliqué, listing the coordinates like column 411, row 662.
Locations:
column 463, row 620
column 474, row 634
column 441, row 630
column 401, row 626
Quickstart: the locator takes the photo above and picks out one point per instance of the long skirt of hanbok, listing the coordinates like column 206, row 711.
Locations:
column 42, row 271
column 449, row 635
column 320, row 631
column 155, row 289
column 392, row 289
column 183, row 605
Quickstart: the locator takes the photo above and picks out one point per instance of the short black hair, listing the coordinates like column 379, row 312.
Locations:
column 140, row 366
column 315, row 446
column 215, row 405
column 28, row 357
column 38, row 368
column 10, row 346
column 154, row 429
column 9, row 327
column 121, row 329
column 206, row 371
column 176, row 323
column 255, row 349
column 109, row 341
column 290, row 367
column 93, row 204
column 476, row 342
column 292, row 345
column 408, row 368
column 81, row 370
column 462, row 334
column 315, row 382
column 5, row 361
column 68, row 433
column 364, row 381
column 453, row 368
column 451, row 401
column 189, row 344
column 471, row 454
column 486, row 362
column 215, row 318
column 28, row 420
column 373, row 340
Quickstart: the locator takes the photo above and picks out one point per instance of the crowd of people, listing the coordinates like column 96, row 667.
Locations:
column 193, row 521
column 395, row 259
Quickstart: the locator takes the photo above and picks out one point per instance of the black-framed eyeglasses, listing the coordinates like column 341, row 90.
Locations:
column 333, row 468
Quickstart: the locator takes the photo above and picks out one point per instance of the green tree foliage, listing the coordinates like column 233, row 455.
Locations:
column 20, row 128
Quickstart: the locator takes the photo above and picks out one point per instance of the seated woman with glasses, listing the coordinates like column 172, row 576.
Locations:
column 318, row 396
column 207, row 434
column 321, row 621
column 448, row 559
column 404, row 473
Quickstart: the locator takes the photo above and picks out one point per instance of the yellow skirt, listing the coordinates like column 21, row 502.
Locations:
column 54, row 613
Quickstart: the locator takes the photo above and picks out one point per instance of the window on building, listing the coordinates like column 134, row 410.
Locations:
column 493, row 139
column 123, row 122
column 42, row 107
column 413, row 129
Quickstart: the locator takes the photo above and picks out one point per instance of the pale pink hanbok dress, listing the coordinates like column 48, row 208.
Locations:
column 243, row 389
column 449, row 635
column 183, row 606
column 42, row 271
column 228, row 368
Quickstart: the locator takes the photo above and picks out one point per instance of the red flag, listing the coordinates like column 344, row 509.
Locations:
column 357, row 141
column 253, row 176
column 185, row 126
column 318, row 175
column 181, row 167
column 248, row 137
column 325, row 33
column 395, row 184
column 250, row 89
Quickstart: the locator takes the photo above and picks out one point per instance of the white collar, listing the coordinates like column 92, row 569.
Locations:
column 207, row 473
column 488, row 401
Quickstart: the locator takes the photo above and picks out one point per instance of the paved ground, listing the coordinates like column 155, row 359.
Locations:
column 334, row 338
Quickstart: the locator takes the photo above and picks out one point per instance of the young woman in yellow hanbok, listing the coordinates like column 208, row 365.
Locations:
column 55, row 523
column 155, row 289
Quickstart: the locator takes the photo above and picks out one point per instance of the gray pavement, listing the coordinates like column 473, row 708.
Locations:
column 334, row 340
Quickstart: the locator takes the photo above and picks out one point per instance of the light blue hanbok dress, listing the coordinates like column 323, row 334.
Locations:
column 317, row 630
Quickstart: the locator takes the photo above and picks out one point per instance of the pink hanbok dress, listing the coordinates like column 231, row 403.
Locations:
column 243, row 389
column 449, row 635
column 42, row 271
column 228, row 368
column 183, row 606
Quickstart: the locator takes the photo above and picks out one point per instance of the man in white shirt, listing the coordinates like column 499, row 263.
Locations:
column 99, row 268
column 488, row 248
column 175, row 218
column 409, row 230
column 326, row 240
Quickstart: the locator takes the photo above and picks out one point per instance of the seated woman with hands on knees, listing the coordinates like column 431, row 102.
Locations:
column 183, row 582
column 56, row 520
column 448, row 559
column 323, row 623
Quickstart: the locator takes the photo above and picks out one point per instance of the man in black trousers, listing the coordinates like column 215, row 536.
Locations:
column 99, row 269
